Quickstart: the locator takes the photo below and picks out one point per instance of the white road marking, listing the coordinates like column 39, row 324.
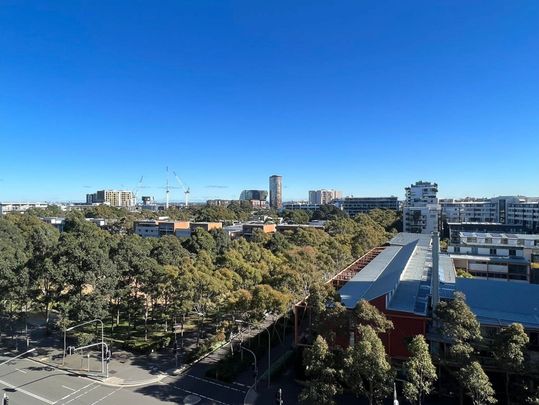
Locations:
column 68, row 388
column 240, row 384
column 215, row 383
column 106, row 396
column 201, row 396
column 30, row 394
column 81, row 395
column 21, row 371
column 74, row 392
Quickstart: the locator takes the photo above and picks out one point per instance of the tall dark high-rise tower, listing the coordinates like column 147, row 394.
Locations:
column 276, row 191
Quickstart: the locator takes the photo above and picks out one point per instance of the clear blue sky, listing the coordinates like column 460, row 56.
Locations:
column 363, row 96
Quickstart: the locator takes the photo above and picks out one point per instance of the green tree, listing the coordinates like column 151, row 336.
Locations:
column 323, row 377
column 367, row 314
column 90, row 276
column 476, row 384
column 368, row 370
column 390, row 220
column 458, row 323
column 509, row 347
column 201, row 240
column 296, row 216
column 328, row 212
column 168, row 250
column 131, row 256
column 420, row 372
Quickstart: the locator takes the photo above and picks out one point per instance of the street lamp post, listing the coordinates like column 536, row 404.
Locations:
column 102, row 340
column 16, row 357
column 256, row 367
column 269, row 347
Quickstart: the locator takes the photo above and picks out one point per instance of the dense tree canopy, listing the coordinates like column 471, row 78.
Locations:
column 87, row 272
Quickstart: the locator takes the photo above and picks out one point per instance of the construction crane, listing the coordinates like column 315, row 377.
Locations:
column 186, row 189
column 138, row 187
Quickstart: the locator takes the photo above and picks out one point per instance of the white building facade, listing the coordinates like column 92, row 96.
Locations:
column 323, row 196
column 421, row 211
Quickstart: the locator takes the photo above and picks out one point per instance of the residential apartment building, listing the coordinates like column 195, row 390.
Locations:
column 495, row 255
column 248, row 195
column 421, row 211
column 524, row 212
column 469, row 210
column 359, row 205
column 276, row 192
column 456, row 229
column 114, row 198
column 323, row 196
column 512, row 210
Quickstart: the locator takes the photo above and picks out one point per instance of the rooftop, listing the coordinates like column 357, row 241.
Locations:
column 403, row 271
column 498, row 303
column 491, row 259
column 498, row 235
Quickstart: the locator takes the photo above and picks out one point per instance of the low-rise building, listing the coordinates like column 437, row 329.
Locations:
column 495, row 255
column 293, row 227
column 8, row 207
column 100, row 222
column 146, row 228
column 234, row 231
column 251, row 227
column 300, row 205
column 361, row 205
column 156, row 229
column 220, row 203
column 207, row 226
column 407, row 278
column 453, row 230
column 57, row 222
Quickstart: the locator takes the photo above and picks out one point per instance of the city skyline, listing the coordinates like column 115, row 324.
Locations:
column 363, row 98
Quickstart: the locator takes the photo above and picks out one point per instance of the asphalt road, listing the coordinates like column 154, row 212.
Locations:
column 27, row 382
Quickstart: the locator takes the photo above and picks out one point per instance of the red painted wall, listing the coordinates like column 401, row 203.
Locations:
column 405, row 327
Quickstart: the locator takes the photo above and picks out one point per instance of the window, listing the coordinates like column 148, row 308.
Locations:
column 512, row 252
column 493, row 252
column 488, row 241
column 457, row 249
column 504, row 241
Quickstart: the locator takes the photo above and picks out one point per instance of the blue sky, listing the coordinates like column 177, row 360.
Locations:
column 363, row 96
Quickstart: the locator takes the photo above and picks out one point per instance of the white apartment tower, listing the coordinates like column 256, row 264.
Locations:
column 114, row 198
column 323, row 196
column 421, row 210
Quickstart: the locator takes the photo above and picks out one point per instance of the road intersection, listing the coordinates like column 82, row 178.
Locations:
column 32, row 383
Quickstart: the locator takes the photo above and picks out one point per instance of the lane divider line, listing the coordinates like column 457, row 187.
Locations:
column 30, row 394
